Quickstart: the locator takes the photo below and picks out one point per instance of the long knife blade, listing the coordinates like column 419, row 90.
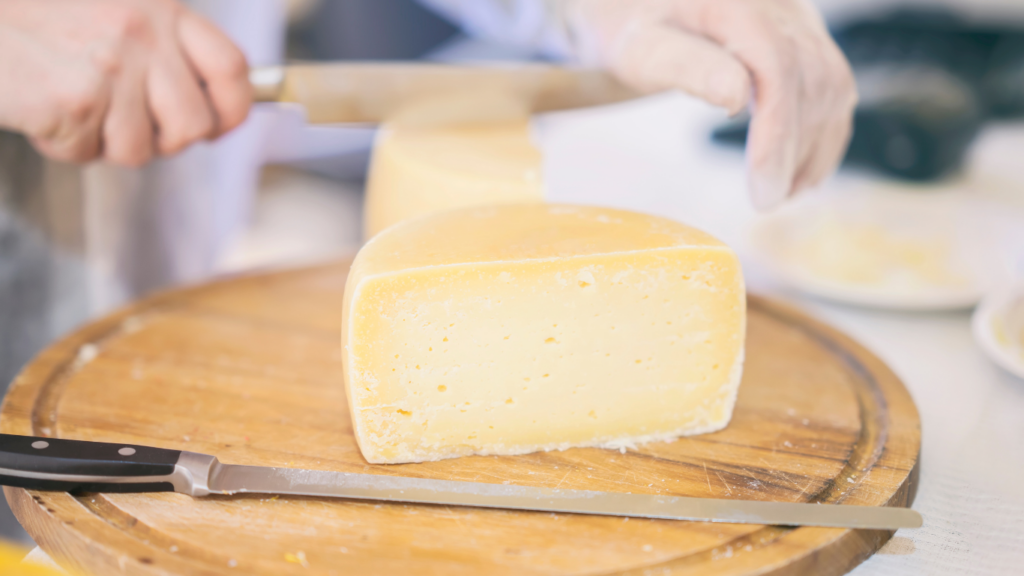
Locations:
column 75, row 465
column 231, row 479
column 376, row 92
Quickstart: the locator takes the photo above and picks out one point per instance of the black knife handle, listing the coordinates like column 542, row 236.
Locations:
column 80, row 466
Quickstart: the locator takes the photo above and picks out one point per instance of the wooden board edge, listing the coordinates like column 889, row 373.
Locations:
column 85, row 544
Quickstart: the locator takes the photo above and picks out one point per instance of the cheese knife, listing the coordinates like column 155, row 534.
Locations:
column 79, row 466
column 364, row 92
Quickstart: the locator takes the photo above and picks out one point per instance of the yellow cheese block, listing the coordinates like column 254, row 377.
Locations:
column 420, row 169
column 515, row 328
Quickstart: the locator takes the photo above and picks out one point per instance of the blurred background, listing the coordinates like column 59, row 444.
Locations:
column 936, row 152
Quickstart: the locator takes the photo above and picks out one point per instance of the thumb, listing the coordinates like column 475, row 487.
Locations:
column 652, row 56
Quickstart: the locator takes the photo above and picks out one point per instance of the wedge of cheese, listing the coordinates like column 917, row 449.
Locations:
column 420, row 169
column 523, row 327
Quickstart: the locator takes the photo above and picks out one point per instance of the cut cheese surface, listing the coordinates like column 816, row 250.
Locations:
column 417, row 170
column 523, row 327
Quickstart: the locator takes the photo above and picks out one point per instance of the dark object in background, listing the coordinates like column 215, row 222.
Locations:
column 1003, row 83
column 914, row 123
column 928, row 81
column 368, row 30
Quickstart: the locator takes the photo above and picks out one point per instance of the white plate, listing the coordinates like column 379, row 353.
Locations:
column 998, row 325
column 889, row 248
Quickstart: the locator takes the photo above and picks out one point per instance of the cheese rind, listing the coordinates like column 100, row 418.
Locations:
column 421, row 169
column 517, row 328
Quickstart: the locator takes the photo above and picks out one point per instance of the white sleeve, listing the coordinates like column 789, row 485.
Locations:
column 538, row 24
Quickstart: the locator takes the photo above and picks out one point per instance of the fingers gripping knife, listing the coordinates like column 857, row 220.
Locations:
column 78, row 466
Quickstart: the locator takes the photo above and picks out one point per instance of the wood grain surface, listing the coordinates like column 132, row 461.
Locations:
column 248, row 369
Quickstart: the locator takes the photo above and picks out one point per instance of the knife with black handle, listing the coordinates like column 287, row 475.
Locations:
column 80, row 466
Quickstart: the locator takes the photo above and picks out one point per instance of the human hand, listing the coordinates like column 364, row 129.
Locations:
column 776, row 52
column 118, row 80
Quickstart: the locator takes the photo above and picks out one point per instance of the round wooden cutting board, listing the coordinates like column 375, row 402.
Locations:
column 249, row 370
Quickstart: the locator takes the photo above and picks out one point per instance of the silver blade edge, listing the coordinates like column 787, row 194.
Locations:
column 235, row 479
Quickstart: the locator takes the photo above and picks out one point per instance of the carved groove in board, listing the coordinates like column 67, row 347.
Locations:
column 159, row 542
column 44, row 410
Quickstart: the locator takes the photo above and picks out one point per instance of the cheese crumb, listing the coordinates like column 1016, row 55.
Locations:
column 297, row 558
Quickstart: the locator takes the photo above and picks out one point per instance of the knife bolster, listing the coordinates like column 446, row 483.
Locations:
column 193, row 472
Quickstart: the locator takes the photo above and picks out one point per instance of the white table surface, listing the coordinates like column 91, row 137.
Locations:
column 655, row 157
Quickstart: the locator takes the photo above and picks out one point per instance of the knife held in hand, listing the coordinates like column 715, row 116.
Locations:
column 364, row 92
column 79, row 466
